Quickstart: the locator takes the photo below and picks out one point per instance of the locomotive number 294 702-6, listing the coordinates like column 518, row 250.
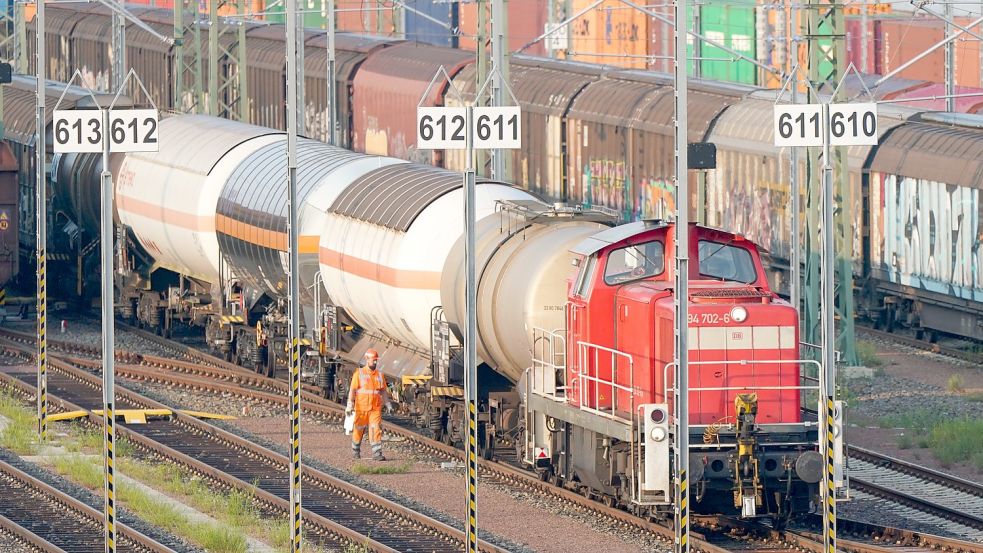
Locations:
column 708, row 318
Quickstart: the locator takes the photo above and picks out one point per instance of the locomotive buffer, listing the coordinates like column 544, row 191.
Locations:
column 469, row 128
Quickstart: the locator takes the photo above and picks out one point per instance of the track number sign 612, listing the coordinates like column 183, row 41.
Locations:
column 445, row 128
column 130, row 130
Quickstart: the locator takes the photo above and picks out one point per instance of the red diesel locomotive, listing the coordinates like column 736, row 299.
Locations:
column 598, row 398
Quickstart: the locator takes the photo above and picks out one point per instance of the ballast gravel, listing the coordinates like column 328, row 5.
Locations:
column 96, row 502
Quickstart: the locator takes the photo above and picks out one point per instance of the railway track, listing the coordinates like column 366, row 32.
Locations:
column 933, row 497
column 49, row 520
column 207, row 373
column 911, row 341
column 336, row 512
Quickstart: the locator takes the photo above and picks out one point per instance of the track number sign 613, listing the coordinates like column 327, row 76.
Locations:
column 805, row 125
column 130, row 130
column 445, row 128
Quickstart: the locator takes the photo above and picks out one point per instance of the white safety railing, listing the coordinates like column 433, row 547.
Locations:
column 802, row 363
column 589, row 359
column 549, row 363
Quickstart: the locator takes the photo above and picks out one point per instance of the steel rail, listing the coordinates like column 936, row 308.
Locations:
column 26, row 536
column 334, row 485
column 131, row 539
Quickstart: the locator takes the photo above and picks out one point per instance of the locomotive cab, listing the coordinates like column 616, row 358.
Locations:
column 591, row 415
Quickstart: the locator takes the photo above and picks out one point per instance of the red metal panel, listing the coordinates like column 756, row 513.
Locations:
column 388, row 88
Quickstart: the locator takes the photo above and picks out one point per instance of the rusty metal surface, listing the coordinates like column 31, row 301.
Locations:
column 350, row 51
column 388, row 81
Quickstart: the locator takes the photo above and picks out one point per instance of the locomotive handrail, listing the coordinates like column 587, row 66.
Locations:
column 551, row 344
column 582, row 349
column 667, row 388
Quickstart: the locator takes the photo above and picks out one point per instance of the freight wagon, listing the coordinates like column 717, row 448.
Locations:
column 599, row 137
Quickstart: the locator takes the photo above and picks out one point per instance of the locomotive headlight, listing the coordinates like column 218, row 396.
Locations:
column 658, row 434
column 738, row 314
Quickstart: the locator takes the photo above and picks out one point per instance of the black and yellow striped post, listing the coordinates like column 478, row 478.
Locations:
column 472, row 466
column 682, row 500
column 110, row 491
column 41, row 197
column 42, row 347
column 295, row 516
column 295, row 93
column 829, row 483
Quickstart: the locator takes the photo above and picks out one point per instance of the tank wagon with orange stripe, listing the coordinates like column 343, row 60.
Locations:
column 575, row 316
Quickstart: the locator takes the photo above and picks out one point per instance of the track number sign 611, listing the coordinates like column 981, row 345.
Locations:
column 805, row 125
column 130, row 130
column 445, row 128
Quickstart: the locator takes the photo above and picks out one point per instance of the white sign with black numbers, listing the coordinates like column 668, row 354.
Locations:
column 798, row 125
column 497, row 127
column 133, row 130
column 81, row 131
column 77, row 131
column 442, row 128
column 445, row 128
column 853, row 124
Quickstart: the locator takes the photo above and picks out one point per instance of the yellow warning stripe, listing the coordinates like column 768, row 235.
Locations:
column 138, row 416
column 447, row 391
column 229, row 319
column 417, row 380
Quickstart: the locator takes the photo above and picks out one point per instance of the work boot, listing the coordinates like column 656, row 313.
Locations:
column 356, row 454
column 378, row 456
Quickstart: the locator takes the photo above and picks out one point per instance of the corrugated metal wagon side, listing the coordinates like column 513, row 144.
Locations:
column 388, row 87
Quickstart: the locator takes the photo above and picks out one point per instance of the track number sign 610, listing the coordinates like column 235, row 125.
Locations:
column 130, row 130
column 445, row 128
column 852, row 124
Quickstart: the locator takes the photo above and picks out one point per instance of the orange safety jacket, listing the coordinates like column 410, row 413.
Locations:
column 368, row 389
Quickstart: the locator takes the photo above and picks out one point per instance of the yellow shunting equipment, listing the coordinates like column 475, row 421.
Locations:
column 137, row 416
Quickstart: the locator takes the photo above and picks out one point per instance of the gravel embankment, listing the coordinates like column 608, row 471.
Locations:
column 96, row 502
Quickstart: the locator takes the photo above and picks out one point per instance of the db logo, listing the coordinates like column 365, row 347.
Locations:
column 737, row 335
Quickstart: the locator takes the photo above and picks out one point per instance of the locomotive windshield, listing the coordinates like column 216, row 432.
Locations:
column 726, row 262
column 634, row 262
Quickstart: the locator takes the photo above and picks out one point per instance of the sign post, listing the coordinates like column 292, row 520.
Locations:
column 42, row 221
column 106, row 130
column 469, row 128
column 827, row 125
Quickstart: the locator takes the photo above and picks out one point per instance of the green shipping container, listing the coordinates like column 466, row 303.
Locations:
column 314, row 11
column 733, row 25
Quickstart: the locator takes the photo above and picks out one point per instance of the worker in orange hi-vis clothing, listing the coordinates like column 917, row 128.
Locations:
column 366, row 399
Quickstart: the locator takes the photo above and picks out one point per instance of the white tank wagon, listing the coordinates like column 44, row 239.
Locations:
column 381, row 252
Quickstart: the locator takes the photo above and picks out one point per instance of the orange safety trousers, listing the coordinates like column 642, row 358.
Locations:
column 373, row 421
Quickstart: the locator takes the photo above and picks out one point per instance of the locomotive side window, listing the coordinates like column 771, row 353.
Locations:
column 585, row 276
column 726, row 262
column 634, row 262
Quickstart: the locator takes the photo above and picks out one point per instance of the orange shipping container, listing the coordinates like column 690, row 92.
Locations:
column 367, row 17
column 526, row 21
column 612, row 34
